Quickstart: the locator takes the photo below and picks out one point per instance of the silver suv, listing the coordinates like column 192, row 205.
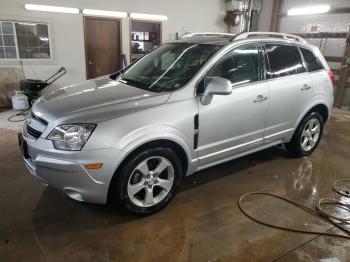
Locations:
column 131, row 137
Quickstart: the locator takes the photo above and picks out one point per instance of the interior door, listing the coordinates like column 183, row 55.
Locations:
column 232, row 124
column 102, row 46
column 144, row 37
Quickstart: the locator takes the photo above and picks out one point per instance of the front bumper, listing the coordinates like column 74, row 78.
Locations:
column 66, row 170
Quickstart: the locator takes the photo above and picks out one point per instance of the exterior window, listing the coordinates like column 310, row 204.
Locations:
column 240, row 66
column 312, row 62
column 7, row 41
column 20, row 40
column 284, row 60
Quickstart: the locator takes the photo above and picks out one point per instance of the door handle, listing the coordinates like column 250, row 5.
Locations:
column 91, row 63
column 260, row 98
column 305, row 87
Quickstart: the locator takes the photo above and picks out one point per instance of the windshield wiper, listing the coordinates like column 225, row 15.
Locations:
column 132, row 82
column 116, row 74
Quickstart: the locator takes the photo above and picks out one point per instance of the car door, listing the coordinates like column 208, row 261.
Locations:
column 289, row 84
column 232, row 124
column 317, row 75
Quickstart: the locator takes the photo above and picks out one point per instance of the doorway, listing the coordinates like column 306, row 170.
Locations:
column 102, row 46
column 144, row 37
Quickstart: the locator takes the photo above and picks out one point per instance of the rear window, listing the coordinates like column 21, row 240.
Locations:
column 284, row 60
column 312, row 62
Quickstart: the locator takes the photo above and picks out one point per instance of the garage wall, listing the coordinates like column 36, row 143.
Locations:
column 316, row 23
column 67, row 34
column 302, row 24
column 296, row 24
column 330, row 22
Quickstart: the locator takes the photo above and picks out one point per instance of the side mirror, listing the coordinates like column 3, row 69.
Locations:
column 217, row 86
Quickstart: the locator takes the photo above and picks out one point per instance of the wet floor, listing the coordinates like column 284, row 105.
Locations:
column 203, row 222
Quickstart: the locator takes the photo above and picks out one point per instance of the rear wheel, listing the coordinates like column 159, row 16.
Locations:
column 148, row 181
column 307, row 136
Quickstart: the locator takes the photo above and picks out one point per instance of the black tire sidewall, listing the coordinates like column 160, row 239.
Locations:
column 123, row 178
column 301, row 127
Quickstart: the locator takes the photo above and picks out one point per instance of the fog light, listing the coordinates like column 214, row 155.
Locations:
column 73, row 194
column 94, row 166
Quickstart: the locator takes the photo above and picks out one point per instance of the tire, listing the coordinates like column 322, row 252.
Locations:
column 139, row 176
column 304, row 140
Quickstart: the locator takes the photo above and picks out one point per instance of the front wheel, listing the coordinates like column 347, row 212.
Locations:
column 307, row 136
column 148, row 181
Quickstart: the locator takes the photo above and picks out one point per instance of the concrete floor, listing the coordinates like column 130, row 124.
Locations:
column 203, row 222
column 5, row 124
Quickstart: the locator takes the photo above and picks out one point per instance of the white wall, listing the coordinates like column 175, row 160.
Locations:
column 67, row 33
column 264, row 20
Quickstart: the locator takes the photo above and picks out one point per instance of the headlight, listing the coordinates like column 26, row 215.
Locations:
column 71, row 137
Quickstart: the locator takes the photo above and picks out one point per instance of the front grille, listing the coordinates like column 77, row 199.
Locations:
column 39, row 119
column 34, row 133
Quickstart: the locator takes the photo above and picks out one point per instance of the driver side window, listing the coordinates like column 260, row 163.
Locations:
column 241, row 65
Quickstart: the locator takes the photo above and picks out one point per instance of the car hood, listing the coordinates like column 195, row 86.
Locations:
column 95, row 100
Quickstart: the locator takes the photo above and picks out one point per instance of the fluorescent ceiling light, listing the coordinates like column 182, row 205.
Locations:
column 104, row 13
column 26, row 23
column 148, row 17
column 310, row 10
column 50, row 8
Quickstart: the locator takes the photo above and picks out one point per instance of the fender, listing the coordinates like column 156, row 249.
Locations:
column 316, row 100
column 147, row 134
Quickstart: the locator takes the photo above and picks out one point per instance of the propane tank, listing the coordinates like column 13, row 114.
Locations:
column 20, row 101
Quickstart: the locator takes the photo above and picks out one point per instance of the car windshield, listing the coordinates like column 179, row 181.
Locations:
column 169, row 67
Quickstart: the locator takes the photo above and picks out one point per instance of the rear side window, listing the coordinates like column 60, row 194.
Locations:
column 312, row 62
column 284, row 60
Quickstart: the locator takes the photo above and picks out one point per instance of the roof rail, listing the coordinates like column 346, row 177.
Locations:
column 206, row 34
column 270, row 34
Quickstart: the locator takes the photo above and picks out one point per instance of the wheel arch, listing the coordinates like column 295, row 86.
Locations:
column 163, row 142
column 318, row 107
column 322, row 109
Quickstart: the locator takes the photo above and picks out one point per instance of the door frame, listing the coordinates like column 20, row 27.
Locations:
column 85, row 17
column 143, row 21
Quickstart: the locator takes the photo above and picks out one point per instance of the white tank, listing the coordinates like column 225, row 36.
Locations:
column 20, row 101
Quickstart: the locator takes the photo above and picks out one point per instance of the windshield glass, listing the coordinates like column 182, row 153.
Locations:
column 169, row 67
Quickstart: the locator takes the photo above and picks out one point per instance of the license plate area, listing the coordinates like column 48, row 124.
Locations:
column 23, row 146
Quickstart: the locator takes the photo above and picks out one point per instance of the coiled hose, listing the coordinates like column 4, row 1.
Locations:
column 21, row 116
column 319, row 212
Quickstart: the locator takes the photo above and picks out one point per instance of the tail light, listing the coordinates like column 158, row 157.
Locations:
column 331, row 76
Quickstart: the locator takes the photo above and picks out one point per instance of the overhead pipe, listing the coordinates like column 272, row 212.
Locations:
column 249, row 16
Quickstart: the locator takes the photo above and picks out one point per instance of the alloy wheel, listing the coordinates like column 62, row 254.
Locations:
column 151, row 181
column 310, row 134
